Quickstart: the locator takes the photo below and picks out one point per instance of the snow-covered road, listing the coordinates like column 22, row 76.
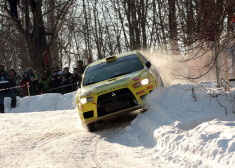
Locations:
column 176, row 131
column 55, row 139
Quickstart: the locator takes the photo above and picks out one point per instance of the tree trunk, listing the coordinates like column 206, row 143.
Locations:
column 172, row 25
column 144, row 8
column 53, row 50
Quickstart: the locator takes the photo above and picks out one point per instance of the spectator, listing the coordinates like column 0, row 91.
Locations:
column 34, row 86
column 65, row 84
column 80, row 68
column 18, row 78
column 45, row 58
column 75, row 79
column 52, row 69
column 14, row 82
column 5, row 80
column 13, row 75
column 48, row 71
column 67, row 73
column 30, row 71
column 57, row 68
column 55, row 82
column 89, row 60
column 60, row 73
column 24, row 82
column 44, row 82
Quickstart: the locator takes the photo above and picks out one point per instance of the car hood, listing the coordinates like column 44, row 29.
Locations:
column 111, row 84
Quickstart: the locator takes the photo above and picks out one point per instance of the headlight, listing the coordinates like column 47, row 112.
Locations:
column 85, row 100
column 145, row 81
column 141, row 83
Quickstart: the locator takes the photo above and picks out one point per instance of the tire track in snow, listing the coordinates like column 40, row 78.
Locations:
column 109, row 154
column 37, row 146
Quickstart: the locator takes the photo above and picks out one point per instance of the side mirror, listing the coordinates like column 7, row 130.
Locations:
column 148, row 64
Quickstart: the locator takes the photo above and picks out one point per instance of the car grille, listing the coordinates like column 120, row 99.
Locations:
column 114, row 101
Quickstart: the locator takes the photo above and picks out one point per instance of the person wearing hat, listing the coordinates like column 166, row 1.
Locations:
column 24, row 82
column 75, row 79
column 55, row 82
column 80, row 67
column 5, row 80
column 44, row 82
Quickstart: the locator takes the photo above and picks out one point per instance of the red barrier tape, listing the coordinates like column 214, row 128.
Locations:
column 64, row 86
column 20, row 86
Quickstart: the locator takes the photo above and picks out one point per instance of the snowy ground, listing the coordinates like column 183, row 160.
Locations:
column 178, row 130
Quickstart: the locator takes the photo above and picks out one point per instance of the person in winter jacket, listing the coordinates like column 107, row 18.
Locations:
column 65, row 84
column 80, row 68
column 66, row 72
column 75, row 79
column 45, row 59
column 5, row 80
column 48, row 71
column 57, row 68
column 24, row 83
column 34, row 87
column 13, row 75
column 15, row 82
column 31, row 73
column 44, row 82
column 55, row 82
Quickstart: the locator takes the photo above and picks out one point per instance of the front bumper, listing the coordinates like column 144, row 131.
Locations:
column 112, row 104
column 112, row 115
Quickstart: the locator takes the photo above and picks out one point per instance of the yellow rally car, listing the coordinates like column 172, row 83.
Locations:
column 115, row 85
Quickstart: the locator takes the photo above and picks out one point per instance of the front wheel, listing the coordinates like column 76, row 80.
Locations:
column 91, row 127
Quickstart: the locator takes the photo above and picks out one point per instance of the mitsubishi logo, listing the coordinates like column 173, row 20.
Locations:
column 113, row 94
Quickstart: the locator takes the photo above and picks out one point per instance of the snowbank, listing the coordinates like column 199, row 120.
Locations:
column 178, row 125
column 45, row 102
column 185, row 126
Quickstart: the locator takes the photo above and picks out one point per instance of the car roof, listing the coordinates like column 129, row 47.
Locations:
column 124, row 54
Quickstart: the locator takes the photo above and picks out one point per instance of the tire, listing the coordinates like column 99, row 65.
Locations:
column 144, row 110
column 91, row 127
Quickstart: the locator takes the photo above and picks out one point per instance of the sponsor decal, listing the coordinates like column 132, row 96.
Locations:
column 88, row 93
column 150, row 87
column 136, row 79
column 140, row 92
column 113, row 83
column 113, row 94
column 114, row 88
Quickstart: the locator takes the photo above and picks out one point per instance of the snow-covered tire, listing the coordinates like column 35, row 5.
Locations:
column 91, row 127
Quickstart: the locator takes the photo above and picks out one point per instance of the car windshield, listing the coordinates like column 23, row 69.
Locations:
column 104, row 71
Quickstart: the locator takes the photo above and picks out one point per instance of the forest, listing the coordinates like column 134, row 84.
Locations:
column 71, row 30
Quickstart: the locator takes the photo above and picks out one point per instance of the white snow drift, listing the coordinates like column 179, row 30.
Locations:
column 183, row 127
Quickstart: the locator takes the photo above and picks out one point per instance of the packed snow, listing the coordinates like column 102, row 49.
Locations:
column 185, row 126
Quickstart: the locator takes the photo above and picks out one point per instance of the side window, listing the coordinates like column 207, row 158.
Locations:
column 152, row 69
column 143, row 58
